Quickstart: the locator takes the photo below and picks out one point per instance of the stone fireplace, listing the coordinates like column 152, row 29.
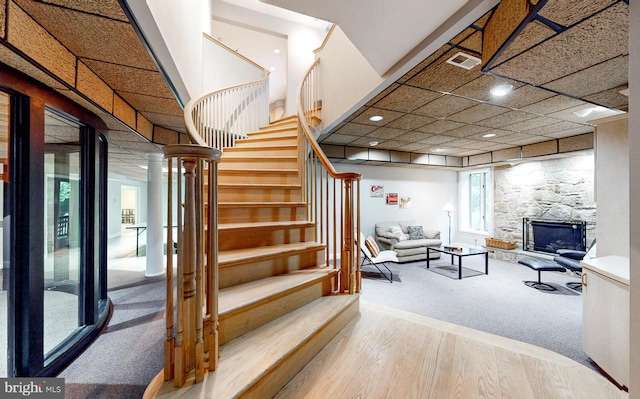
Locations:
column 559, row 190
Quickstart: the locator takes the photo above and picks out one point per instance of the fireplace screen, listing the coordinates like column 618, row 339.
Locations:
column 549, row 236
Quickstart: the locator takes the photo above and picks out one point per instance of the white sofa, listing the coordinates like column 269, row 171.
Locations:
column 407, row 250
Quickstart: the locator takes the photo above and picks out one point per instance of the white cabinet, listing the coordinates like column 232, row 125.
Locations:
column 605, row 316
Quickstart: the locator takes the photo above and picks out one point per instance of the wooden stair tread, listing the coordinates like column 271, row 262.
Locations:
column 247, row 294
column 260, row 158
column 264, row 225
column 279, row 186
column 266, row 147
column 256, row 171
column 260, row 204
column 249, row 358
column 253, row 254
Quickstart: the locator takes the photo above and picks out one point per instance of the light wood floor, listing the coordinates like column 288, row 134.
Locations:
column 388, row 353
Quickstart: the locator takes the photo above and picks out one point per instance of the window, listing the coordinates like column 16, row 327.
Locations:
column 475, row 200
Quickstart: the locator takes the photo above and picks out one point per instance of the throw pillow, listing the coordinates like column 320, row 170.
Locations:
column 397, row 233
column 371, row 245
column 416, row 233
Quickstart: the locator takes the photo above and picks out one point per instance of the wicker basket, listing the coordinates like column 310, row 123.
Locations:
column 502, row 244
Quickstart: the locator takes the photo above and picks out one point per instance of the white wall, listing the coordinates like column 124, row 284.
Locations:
column 612, row 186
column 428, row 189
column 181, row 24
column 223, row 68
column 634, row 198
column 114, row 203
column 342, row 66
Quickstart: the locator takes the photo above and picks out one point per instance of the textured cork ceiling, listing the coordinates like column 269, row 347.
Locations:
column 99, row 35
column 570, row 56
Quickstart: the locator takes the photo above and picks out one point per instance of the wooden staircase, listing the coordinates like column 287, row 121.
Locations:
column 277, row 303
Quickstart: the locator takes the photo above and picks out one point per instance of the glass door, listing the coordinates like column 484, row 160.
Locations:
column 62, row 228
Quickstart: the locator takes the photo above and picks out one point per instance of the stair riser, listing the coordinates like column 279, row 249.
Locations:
column 238, row 323
column 240, row 239
column 237, row 194
column 262, row 178
column 265, row 214
column 258, row 151
column 261, row 140
column 239, row 273
column 281, row 374
column 257, row 163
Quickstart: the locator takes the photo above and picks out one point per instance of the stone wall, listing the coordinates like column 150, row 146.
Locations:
column 557, row 189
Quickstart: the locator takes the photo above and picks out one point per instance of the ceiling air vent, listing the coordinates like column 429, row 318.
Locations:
column 463, row 60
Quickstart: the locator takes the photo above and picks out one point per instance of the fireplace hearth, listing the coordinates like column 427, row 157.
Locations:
column 550, row 235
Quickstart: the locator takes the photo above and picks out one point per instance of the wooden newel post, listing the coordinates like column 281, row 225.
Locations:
column 186, row 354
column 347, row 262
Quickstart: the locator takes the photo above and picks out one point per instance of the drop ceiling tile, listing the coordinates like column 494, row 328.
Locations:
column 482, row 21
column 413, row 147
column 505, row 119
column 530, row 124
column 479, row 135
column 511, row 138
column 125, row 78
column 440, row 126
column 413, row 136
column 534, row 33
column 479, row 89
column 364, row 142
column 584, row 45
column 473, row 43
column 445, row 106
column 462, row 36
column 521, row 97
column 437, row 139
column 92, row 35
column 356, row 129
column 570, row 132
column 382, row 94
column 386, row 133
column 168, row 121
column 567, row 13
column 552, row 104
column 556, row 127
column 461, row 143
column 339, row 139
column 410, row 122
column 611, row 98
column 529, row 140
column 388, row 116
column 161, row 105
column 390, row 144
column 407, row 98
column 467, row 131
column 477, row 113
column 426, row 62
column 466, row 153
column 609, row 74
column 444, row 77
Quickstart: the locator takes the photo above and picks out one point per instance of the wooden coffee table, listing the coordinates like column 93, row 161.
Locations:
column 460, row 254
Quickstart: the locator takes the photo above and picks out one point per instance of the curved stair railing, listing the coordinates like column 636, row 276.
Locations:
column 215, row 121
column 333, row 198
column 218, row 119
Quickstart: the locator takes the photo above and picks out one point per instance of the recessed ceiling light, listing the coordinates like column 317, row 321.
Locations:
column 272, row 68
column 276, row 50
column 501, row 90
column 486, row 136
column 440, row 149
column 373, row 143
column 376, row 118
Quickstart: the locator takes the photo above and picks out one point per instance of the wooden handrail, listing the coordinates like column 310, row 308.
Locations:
column 196, row 132
column 334, row 208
